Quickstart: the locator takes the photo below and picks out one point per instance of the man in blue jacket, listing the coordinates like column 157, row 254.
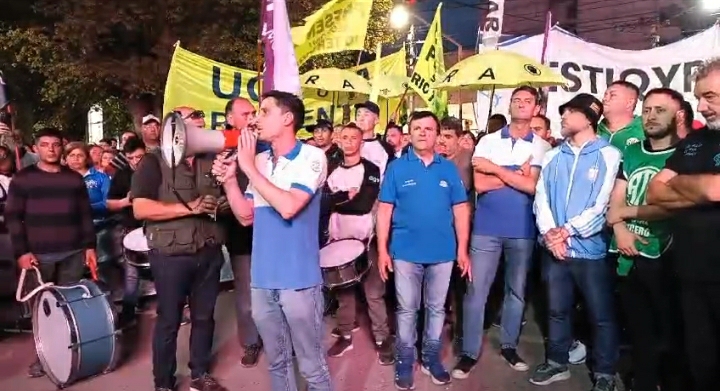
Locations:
column 571, row 199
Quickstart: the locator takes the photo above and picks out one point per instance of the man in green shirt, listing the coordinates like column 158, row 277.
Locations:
column 619, row 125
column 641, row 239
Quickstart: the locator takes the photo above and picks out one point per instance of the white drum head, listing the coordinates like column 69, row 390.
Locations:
column 135, row 240
column 340, row 252
column 52, row 337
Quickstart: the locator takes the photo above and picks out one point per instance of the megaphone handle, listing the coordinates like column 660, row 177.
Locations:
column 227, row 155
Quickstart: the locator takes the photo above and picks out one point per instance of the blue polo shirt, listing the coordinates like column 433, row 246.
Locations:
column 423, row 197
column 508, row 212
column 285, row 253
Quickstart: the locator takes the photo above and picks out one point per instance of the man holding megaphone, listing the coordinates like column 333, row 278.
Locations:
column 171, row 192
column 282, row 204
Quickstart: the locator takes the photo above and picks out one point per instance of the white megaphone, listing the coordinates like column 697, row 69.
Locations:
column 180, row 140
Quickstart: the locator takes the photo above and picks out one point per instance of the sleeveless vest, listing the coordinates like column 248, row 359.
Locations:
column 186, row 235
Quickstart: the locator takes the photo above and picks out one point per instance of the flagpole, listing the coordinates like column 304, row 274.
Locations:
column 258, row 64
column 544, row 92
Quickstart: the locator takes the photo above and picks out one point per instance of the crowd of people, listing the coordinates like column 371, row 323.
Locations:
column 620, row 215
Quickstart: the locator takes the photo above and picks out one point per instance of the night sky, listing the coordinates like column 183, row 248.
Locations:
column 458, row 22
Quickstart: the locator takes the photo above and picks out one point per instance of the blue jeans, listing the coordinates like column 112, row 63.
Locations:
column 594, row 278
column 485, row 254
column 434, row 280
column 288, row 319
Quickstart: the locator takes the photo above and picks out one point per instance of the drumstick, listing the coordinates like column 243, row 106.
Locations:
column 93, row 272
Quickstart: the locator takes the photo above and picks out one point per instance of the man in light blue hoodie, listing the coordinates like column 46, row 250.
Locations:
column 571, row 199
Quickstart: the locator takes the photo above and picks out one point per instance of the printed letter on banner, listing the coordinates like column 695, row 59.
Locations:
column 589, row 68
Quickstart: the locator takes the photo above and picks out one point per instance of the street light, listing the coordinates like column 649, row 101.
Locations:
column 710, row 5
column 399, row 17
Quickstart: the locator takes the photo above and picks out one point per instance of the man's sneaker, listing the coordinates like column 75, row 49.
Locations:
column 337, row 334
column 514, row 360
column 206, row 383
column 463, row 367
column 251, row 356
column 386, row 352
column 36, row 370
column 604, row 383
column 404, row 374
column 340, row 346
column 577, row 353
column 437, row 372
column 547, row 373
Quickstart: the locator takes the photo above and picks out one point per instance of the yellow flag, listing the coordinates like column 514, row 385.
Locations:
column 207, row 85
column 338, row 26
column 429, row 66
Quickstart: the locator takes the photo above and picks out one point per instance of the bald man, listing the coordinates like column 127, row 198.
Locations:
column 191, row 116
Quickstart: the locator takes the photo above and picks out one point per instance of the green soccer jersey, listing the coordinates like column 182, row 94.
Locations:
column 638, row 167
column 621, row 139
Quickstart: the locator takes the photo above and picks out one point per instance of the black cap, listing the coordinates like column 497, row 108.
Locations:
column 589, row 105
column 321, row 123
column 368, row 105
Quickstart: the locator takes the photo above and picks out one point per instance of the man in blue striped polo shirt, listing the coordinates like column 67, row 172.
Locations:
column 283, row 204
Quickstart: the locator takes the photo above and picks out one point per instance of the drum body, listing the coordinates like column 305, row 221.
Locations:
column 344, row 263
column 136, row 249
column 75, row 334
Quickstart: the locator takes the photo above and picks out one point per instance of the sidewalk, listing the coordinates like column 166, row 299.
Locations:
column 357, row 370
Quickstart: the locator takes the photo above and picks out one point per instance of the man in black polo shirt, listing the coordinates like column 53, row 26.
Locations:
column 690, row 186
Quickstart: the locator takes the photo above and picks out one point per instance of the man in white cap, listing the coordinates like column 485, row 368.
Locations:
column 151, row 131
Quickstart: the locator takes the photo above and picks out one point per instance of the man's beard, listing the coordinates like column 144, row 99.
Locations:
column 669, row 129
column 714, row 125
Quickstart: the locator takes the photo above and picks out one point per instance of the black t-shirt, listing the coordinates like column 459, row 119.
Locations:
column 239, row 239
column 696, row 230
column 119, row 189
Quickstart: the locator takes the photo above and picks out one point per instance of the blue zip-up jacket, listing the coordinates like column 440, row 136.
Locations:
column 98, row 185
column 573, row 191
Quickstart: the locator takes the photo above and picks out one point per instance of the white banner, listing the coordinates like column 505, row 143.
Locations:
column 590, row 67
column 491, row 28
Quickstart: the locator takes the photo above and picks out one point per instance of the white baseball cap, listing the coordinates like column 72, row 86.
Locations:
column 150, row 118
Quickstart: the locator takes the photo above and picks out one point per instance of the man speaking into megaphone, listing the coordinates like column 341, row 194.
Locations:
column 283, row 205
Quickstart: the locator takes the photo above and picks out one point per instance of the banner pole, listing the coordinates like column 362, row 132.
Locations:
column 259, row 63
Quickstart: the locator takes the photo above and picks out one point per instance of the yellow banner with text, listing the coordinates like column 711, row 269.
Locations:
column 207, row 85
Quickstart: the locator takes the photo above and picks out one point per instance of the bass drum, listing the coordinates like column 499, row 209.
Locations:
column 75, row 332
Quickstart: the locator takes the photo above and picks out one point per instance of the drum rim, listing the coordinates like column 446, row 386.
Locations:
column 128, row 234
column 343, row 240
column 115, row 338
column 350, row 283
column 338, row 267
column 74, row 332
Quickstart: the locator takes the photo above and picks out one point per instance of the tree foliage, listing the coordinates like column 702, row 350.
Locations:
column 61, row 57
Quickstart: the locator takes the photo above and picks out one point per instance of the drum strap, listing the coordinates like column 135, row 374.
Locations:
column 18, row 293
